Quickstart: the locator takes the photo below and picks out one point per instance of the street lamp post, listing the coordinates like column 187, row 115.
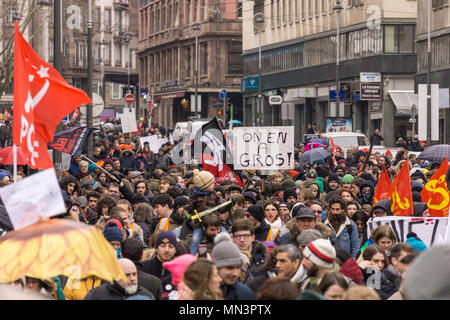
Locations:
column 337, row 8
column 259, row 19
column 196, row 27
column 429, row 142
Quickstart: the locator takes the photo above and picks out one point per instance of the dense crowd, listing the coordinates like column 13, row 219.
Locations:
column 292, row 234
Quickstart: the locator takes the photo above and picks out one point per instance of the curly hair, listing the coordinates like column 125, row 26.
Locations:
column 105, row 200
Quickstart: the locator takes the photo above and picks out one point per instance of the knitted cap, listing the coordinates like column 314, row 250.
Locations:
column 248, row 196
column 321, row 253
column 179, row 202
column 166, row 237
column 178, row 266
column 256, row 212
column 225, row 253
column 287, row 183
column 113, row 233
column 348, row 178
column 308, row 236
column 81, row 201
column 203, row 179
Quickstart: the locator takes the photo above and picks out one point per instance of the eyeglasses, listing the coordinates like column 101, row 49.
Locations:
column 239, row 236
column 317, row 211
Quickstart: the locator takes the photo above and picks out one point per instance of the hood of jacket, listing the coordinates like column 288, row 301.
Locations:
column 385, row 204
column 124, row 152
column 351, row 269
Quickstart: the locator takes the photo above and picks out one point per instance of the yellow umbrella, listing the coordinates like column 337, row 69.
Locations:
column 53, row 247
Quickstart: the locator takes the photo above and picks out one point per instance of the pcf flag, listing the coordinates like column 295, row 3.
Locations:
column 383, row 187
column 41, row 99
column 401, row 193
column 435, row 193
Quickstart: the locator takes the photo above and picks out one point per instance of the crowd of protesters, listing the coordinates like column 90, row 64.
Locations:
column 293, row 234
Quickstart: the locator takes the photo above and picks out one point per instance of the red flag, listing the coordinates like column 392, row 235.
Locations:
column 435, row 192
column 401, row 193
column 383, row 186
column 333, row 149
column 41, row 99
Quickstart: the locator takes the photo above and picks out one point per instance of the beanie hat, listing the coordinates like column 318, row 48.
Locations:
column 107, row 161
column 308, row 236
column 293, row 173
column 166, row 237
column 4, row 173
column 321, row 253
column 257, row 212
column 178, row 266
column 320, row 183
column 179, row 202
column 225, row 252
column 203, row 179
column 312, row 174
column 81, row 201
column 426, row 279
column 348, row 178
column 388, row 152
column 248, row 196
column 417, row 244
column 91, row 167
column 113, row 233
column 289, row 193
column 115, row 223
column 287, row 183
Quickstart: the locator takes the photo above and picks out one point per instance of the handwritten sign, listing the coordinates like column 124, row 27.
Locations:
column 263, row 148
column 429, row 230
column 153, row 142
column 128, row 120
column 29, row 199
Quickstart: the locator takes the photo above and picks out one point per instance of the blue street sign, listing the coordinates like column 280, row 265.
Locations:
column 223, row 94
column 333, row 95
column 143, row 91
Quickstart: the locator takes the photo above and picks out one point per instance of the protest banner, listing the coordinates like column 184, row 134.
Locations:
column 154, row 142
column 263, row 148
column 430, row 230
column 72, row 141
column 128, row 120
column 36, row 196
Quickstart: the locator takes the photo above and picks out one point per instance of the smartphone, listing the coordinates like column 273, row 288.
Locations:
column 202, row 250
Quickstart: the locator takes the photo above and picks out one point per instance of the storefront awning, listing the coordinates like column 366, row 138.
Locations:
column 403, row 101
column 169, row 95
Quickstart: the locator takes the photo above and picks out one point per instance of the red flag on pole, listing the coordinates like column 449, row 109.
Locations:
column 333, row 149
column 401, row 193
column 383, row 186
column 41, row 99
column 435, row 193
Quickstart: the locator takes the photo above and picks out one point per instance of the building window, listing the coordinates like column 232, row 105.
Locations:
column 126, row 21
column 107, row 19
column 188, row 11
column 303, row 8
column 169, row 16
column 118, row 22
column 97, row 21
column 97, row 52
column 278, row 13
column 118, row 54
column 152, row 22
column 310, row 8
column 50, row 50
column 239, row 9
column 399, row 38
column 438, row 4
column 324, row 6
column 80, row 54
column 116, row 91
column 163, row 18
column 205, row 58
column 235, row 57
column 188, row 62
column 283, row 12
column 195, row 10
column 13, row 12
column 65, row 48
column 107, row 53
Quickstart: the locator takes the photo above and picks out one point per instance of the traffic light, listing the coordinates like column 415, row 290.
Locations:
column 185, row 104
column 220, row 112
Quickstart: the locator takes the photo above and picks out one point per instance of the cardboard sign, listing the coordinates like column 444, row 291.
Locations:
column 128, row 120
column 154, row 142
column 431, row 231
column 268, row 148
column 36, row 196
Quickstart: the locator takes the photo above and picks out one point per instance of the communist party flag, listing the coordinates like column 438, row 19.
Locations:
column 383, row 187
column 41, row 99
column 435, row 193
column 401, row 193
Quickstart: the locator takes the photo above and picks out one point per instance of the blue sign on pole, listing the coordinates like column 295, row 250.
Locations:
column 144, row 91
column 341, row 95
column 223, row 94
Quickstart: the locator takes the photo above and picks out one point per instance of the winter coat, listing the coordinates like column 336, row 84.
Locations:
column 161, row 162
column 351, row 270
column 256, row 283
column 257, row 260
column 127, row 160
column 370, row 184
column 77, row 290
column 146, row 230
column 299, row 276
column 262, row 231
column 129, row 194
column 201, row 201
column 142, row 163
column 155, row 268
column 344, row 239
column 237, row 291
column 390, row 282
column 114, row 291
column 148, row 281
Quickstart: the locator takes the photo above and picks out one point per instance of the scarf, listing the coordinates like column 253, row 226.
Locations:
column 198, row 192
column 336, row 221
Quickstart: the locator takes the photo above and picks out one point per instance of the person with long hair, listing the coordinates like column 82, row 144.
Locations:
column 200, row 282
column 333, row 286
column 374, row 260
column 272, row 215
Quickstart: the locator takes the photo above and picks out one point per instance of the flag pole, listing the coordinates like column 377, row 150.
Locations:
column 109, row 174
column 15, row 162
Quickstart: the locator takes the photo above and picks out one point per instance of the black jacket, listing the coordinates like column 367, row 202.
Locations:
column 114, row 291
column 237, row 291
column 389, row 282
column 262, row 231
column 259, row 251
column 155, row 268
column 130, row 195
column 148, row 281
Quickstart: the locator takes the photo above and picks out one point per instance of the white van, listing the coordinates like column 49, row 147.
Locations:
column 346, row 140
